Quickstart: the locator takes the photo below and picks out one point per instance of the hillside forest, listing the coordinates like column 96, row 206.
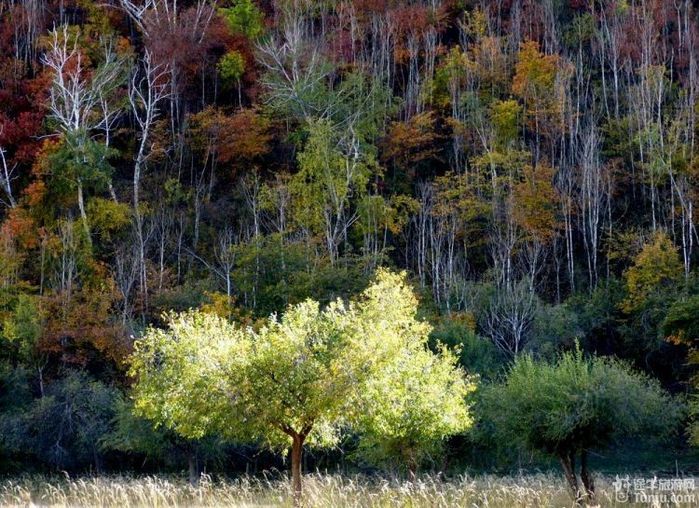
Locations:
column 434, row 213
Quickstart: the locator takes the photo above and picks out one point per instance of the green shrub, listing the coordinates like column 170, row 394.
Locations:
column 573, row 405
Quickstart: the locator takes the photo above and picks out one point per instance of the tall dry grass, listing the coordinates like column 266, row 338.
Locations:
column 320, row 490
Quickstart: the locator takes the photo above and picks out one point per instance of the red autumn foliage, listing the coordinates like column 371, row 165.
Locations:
column 80, row 330
column 20, row 226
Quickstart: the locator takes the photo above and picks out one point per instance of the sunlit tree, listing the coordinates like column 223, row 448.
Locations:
column 304, row 377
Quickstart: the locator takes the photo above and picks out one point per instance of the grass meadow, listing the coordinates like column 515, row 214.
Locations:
column 320, row 490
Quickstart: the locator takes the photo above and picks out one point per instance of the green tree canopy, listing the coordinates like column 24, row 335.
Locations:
column 574, row 405
column 243, row 17
column 302, row 378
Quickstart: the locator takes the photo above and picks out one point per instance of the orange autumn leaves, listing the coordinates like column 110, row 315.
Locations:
column 234, row 139
column 537, row 83
column 536, row 203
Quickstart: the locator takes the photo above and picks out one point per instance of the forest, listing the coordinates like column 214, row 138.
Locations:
column 377, row 237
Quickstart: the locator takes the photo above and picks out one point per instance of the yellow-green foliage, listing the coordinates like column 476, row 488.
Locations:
column 505, row 116
column 416, row 404
column 231, row 66
column 311, row 372
column 657, row 265
column 327, row 178
column 23, row 326
column 107, row 217
column 416, row 398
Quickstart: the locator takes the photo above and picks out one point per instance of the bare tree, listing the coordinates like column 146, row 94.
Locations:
column 591, row 199
column 80, row 101
column 6, row 179
column 509, row 317
column 26, row 16
column 610, row 39
column 76, row 96
column 152, row 13
column 439, row 247
column 66, row 270
column 172, row 33
column 126, row 272
column 295, row 66
column 225, row 258
column 147, row 88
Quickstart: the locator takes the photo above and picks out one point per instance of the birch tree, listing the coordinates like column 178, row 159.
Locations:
column 79, row 97
column 147, row 89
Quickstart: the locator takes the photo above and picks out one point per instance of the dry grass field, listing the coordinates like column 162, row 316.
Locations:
column 321, row 490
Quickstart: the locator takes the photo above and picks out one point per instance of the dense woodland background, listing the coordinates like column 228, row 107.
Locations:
column 533, row 165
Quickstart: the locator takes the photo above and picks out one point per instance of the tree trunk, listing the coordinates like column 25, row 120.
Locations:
column 193, row 468
column 412, row 472
column 83, row 214
column 296, row 455
column 568, row 463
column 98, row 461
column 40, row 370
column 410, row 458
column 586, row 477
column 142, row 273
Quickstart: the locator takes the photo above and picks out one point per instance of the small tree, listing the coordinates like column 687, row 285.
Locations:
column 301, row 378
column 415, row 398
column 23, row 328
column 655, row 268
column 231, row 67
column 574, row 405
column 414, row 406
